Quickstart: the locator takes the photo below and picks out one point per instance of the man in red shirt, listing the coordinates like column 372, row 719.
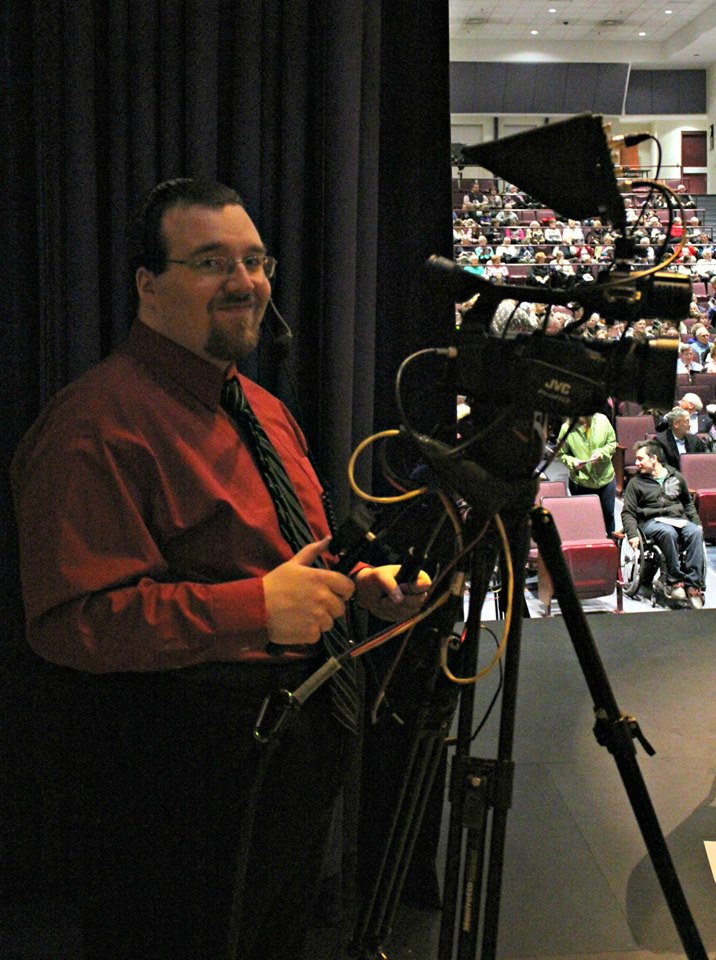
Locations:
column 160, row 593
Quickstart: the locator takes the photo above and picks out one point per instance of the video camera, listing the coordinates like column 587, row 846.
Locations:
column 568, row 166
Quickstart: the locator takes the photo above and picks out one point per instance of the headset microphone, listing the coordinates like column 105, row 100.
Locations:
column 280, row 345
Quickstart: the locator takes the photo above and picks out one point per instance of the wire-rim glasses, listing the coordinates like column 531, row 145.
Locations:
column 216, row 265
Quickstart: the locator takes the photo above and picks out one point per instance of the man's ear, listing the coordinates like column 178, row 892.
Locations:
column 145, row 285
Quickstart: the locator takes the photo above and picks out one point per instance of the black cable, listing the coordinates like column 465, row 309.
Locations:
column 491, row 705
column 652, row 190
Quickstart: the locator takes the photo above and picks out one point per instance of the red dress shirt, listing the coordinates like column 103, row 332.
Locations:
column 145, row 526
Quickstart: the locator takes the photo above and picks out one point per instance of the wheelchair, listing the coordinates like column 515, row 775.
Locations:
column 643, row 570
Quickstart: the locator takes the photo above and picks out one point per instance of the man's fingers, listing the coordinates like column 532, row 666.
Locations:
column 308, row 555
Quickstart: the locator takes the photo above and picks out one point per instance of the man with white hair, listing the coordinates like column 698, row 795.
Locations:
column 699, row 421
column 700, row 341
column 705, row 266
column 676, row 438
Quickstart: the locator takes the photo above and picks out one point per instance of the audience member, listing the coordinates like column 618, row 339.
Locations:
column 483, row 249
column 711, row 360
column 561, row 272
column 572, row 234
column 596, row 231
column 539, row 275
column 508, row 251
column 687, row 362
column 676, row 438
column 512, row 197
column 644, row 250
column 496, row 271
column 534, row 233
column 685, row 198
column 583, row 272
column 699, row 421
column 587, row 450
column 657, row 500
column 700, row 342
column 637, row 330
column 705, row 266
column 511, row 318
column 552, row 232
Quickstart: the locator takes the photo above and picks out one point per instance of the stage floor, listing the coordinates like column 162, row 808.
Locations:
column 577, row 881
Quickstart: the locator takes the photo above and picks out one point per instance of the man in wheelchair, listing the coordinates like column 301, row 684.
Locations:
column 657, row 502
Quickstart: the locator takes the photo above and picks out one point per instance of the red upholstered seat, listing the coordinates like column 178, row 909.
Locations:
column 628, row 430
column 547, row 488
column 699, row 470
column 551, row 488
column 591, row 556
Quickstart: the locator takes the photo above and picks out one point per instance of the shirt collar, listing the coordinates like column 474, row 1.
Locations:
column 171, row 362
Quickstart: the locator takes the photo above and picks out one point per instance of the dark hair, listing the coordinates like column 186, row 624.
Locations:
column 653, row 448
column 146, row 243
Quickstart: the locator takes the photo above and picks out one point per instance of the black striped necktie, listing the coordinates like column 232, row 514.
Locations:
column 295, row 530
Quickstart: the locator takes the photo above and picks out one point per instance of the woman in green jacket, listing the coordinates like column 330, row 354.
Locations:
column 587, row 453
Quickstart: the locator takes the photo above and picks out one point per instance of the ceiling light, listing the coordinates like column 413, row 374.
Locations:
column 668, row 11
column 552, row 10
column 642, row 33
column 534, row 32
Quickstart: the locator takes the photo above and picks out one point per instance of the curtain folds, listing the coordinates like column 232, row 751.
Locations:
column 331, row 118
column 332, row 121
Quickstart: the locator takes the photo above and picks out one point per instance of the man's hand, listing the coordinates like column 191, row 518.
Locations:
column 634, row 542
column 379, row 592
column 302, row 601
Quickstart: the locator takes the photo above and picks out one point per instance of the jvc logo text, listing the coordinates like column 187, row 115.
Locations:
column 559, row 386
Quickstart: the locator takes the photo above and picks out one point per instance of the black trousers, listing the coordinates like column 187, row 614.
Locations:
column 156, row 772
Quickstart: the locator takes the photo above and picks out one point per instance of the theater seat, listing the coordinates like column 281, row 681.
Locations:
column 628, row 430
column 547, row 488
column 551, row 488
column 591, row 556
column 699, row 470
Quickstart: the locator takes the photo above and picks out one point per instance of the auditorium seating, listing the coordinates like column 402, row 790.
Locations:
column 551, row 488
column 699, row 470
column 591, row 556
column 703, row 385
column 628, row 430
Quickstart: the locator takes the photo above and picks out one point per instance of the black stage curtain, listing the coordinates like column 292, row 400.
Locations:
column 332, row 121
column 331, row 118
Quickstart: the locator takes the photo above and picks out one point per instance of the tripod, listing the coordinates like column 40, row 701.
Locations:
column 481, row 790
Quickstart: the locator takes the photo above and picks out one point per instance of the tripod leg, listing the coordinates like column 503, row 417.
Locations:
column 518, row 536
column 616, row 731
column 375, row 925
column 428, row 728
column 481, row 572
column 486, row 785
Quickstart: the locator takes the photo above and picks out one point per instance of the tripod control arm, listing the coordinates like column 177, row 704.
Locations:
column 620, row 735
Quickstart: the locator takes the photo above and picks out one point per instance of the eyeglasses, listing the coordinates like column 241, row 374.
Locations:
column 219, row 266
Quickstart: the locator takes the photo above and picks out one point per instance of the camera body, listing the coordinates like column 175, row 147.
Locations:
column 562, row 375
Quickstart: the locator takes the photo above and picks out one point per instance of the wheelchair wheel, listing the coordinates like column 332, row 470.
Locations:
column 633, row 565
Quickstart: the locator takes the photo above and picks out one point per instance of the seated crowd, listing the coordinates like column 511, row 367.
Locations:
column 495, row 231
column 493, row 237
column 496, row 237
